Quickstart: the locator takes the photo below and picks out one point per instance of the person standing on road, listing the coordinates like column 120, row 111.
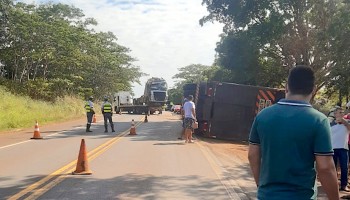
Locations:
column 89, row 107
column 340, row 137
column 106, row 109
column 286, row 140
column 182, row 136
column 190, row 117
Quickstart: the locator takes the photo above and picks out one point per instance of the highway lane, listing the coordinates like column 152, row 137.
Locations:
column 25, row 161
column 151, row 165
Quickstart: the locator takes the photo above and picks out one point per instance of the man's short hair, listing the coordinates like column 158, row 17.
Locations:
column 333, row 110
column 190, row 97
column 301, row 80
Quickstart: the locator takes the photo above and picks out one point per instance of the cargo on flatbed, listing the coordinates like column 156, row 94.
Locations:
column 153, row 99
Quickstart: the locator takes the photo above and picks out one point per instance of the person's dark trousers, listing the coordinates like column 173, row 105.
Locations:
column 348, row 152
column 89, row 116
column 342, row 155
column 108, row 117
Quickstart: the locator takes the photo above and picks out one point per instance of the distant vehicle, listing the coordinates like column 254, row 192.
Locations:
column 153, row 99
column 177, row 109
column 155, row 95
column 123, row 98
column 123, row 101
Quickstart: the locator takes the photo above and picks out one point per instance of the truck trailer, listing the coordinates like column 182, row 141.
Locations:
column 154, row 98
column 227, row 110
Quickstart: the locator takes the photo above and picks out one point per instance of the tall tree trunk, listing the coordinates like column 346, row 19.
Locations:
column 340, row 98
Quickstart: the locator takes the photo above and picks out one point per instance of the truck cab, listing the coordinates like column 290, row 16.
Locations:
column 122, row 99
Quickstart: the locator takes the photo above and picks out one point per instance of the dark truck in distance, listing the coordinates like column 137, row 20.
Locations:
column 156, row 94
column 153, row 99
column 227, row 110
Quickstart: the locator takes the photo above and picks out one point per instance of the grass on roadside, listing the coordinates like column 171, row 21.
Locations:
column 22, row 112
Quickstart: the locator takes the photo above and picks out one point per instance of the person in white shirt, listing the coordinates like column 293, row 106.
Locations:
column 340, row 136
column 190, row 117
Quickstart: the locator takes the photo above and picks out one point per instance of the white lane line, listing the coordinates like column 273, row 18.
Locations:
column 79, row 127
column 14, row 144
column 30, row 140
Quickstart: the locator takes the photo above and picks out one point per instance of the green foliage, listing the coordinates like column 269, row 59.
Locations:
column 50, row 51
column 339, row 30
column 263, row 39
column 175, row 95
column 194, row 73
column 22, row 112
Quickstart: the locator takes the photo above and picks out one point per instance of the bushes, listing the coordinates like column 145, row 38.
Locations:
column 21, row 112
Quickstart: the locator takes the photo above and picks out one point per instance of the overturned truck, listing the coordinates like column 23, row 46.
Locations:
column 227, row 110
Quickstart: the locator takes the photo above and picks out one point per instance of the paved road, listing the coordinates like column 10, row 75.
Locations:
column 151, row 165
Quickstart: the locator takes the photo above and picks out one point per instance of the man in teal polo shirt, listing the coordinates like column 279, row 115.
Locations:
column 285, row 141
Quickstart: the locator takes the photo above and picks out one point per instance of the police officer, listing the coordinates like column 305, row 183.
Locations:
column 89, row 107
column 106, row 109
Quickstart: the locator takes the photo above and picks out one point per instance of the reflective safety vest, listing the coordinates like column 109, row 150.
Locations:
column 107, row 107
column 87, row 107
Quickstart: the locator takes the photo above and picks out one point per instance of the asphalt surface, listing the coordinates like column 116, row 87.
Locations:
column 153, row 164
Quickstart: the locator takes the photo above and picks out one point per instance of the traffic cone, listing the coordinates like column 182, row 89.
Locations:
column 94, row 119
column 36, row 132
column 146, row 120
column 132, row 129
column 82, row 163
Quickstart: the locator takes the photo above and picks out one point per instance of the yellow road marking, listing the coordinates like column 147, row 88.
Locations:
column 37, row 193
column 60, row 174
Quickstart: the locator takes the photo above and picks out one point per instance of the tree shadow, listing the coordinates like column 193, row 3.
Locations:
column 132, row 186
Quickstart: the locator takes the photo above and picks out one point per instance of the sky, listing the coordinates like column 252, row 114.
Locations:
column 163, row 35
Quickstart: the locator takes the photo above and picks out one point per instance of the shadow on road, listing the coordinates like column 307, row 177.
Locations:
column 132, row 186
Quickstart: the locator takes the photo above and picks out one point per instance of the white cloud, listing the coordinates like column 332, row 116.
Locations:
column 163, row 35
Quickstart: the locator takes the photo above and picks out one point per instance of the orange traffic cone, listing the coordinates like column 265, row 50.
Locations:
column 36, row 132
column 82, row 163
column 132, row 129
column 94, row 119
